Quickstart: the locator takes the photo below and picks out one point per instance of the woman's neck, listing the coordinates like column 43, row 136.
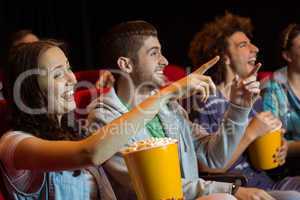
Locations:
column 293, row 76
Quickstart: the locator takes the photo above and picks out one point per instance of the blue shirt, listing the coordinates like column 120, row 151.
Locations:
column 279, row 98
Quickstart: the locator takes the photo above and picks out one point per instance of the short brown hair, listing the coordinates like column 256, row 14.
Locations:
column 212, row 41
column 124, row 39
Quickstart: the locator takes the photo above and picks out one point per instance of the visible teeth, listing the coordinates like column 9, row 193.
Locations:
column 68, row 94
column 252, row 62
column 252, row 59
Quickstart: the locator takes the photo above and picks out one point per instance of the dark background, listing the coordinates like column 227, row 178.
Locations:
column 81, row 23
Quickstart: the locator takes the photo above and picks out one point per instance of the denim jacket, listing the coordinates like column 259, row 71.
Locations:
column 62, row 186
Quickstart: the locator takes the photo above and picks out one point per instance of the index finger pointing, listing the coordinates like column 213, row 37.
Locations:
column 255, row 70
column 201, row 70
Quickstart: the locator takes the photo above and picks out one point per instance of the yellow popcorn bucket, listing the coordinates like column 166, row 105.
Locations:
column 261, row 151
column 155, row 172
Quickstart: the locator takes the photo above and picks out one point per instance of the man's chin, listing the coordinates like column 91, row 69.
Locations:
column 161, row 82
column 245, row 74
column 250, row 69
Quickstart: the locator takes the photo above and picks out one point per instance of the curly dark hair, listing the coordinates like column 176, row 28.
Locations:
column 22, row 58
column 212, row 41
column 124, row 39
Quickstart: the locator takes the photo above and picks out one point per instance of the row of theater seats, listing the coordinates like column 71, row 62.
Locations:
column 84, row 95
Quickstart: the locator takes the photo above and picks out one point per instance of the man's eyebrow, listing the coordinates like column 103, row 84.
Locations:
column 243, row 42
column 156, row 48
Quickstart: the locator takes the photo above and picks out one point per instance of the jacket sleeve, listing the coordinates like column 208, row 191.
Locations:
column 100, row 114
column 215, row 150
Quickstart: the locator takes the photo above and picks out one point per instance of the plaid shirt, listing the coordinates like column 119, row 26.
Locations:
column 279, row 98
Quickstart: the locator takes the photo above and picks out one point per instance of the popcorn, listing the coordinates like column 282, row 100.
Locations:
column 148, row 143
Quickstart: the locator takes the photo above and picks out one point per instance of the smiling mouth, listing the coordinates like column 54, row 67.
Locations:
column 252, row 62
column 160, row 72
column 68, row 95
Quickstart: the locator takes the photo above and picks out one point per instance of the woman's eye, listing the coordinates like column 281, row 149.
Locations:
column 58, row 75
column 69, row 68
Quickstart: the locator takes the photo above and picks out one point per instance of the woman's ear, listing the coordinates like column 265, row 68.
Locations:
column 125, row 64
column 286, row 56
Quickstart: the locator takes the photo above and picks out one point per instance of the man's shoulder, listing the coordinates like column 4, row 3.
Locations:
column 109, row 102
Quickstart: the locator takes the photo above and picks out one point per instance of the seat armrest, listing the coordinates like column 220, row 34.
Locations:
column 236, row 178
